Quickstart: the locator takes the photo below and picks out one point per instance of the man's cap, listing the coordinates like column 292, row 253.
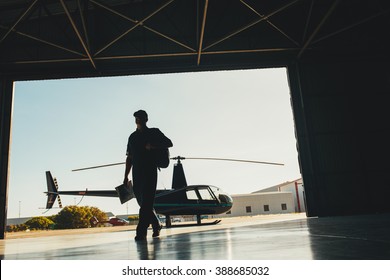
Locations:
column 141, row 114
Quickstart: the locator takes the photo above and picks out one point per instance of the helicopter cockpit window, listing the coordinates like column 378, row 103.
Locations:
column 205, row 194
column 191, row 195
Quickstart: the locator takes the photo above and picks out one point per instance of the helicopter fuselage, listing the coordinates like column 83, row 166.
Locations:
column 192, row 200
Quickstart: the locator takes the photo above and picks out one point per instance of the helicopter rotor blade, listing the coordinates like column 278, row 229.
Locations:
column 237, row 160
column 182, row 158
column 99, row 166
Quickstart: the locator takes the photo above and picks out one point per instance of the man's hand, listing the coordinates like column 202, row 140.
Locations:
column 127, row 169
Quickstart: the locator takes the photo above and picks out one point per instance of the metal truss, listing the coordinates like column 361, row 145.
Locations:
column 77, row 23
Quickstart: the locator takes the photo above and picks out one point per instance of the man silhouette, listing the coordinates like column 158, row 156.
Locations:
column 141, row 160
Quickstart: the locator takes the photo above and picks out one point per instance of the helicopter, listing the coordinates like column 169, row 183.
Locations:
column 182, row 199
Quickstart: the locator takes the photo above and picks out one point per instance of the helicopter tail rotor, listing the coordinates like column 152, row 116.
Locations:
column 52, row 191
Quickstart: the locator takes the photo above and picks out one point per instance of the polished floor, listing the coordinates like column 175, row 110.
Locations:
column 274, row 237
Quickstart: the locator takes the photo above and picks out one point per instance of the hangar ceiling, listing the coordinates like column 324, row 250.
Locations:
column 43, row 39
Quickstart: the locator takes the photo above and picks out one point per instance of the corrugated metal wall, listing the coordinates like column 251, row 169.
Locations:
column 341, row 107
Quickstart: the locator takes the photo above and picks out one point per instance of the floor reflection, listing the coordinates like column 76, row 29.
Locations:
column 333, row 238
column 364, row 237
column 279, row 241
column 147, row 250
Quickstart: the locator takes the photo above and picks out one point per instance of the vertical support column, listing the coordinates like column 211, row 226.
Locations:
column 6, row 96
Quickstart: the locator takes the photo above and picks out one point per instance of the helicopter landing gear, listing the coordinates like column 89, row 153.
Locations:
column 198, row 220
column 168, row 222
column 210, row 223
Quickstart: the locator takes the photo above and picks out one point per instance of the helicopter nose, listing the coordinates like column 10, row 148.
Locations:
column 225, row 198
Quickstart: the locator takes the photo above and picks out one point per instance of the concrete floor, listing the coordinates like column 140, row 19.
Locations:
column 274, row 237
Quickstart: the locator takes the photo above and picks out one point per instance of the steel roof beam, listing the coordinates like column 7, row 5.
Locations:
column 83, row 22
column 139, row 23
column 202, row 31
column 308, row 18
column 77, row 33
column 143, row 25
column 18, row 20
column 157, row 55
column 327, row 15
column 253, row 23
column 351, row 26
column 43, row 41
column 270, row 23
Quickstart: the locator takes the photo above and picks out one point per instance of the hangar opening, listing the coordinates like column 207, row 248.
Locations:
column 60, row 125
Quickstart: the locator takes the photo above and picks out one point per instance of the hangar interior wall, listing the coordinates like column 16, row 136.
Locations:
column 341, row 111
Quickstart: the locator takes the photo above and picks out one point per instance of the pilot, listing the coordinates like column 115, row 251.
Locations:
column 141, row 161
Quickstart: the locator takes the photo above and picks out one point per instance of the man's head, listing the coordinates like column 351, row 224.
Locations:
column 141, row 117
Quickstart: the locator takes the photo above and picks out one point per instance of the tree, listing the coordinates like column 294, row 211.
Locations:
column 39, row 223
column 78, row 217
column 16, row 228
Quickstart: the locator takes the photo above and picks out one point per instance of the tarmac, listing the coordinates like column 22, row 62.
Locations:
column 264, row 237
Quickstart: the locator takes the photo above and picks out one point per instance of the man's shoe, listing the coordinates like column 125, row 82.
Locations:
column 140, row 238
column 156, row 232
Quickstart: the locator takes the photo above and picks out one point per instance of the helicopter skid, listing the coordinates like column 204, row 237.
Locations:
column 195, row 224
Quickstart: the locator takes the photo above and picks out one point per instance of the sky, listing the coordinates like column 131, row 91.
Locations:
column 62, row 125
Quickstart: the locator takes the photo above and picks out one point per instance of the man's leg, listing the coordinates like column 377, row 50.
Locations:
column 145, row 216
column 146, row 209
column 155, row 221
column 156, row 224
column 141, row 233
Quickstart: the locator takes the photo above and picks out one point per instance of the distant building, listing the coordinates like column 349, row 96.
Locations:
column 296, row 188
column 287, row 197
column 261, row 203
column 17, row 221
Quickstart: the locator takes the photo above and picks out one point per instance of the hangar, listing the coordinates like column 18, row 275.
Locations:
column 336, row 54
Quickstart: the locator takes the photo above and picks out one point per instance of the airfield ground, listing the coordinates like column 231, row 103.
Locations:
column 225, row 222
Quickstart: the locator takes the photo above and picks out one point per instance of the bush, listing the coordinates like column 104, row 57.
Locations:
column 16, row 228
column 21, row 227
column 39, row 223
column 78, row 217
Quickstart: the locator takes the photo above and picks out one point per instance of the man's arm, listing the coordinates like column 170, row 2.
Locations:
column 129, row 164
